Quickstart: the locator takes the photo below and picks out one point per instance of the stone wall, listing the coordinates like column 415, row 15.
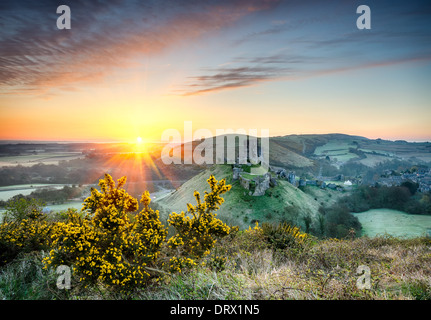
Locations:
column 262, row 184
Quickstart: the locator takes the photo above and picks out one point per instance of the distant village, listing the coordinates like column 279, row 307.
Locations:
column 420, row 175
column 257, row 184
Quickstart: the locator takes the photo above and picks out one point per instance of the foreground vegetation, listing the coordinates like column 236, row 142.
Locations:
column 116, row 252
column 246, row 266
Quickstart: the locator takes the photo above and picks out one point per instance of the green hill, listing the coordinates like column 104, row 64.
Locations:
column 283, row 202
column 341, row 148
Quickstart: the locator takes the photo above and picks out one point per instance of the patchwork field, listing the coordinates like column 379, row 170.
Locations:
column 44, row 157
column 7, row 192
column 396, row 223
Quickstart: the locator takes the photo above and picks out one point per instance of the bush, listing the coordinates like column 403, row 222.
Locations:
column 24, row 229
column 283, row 235
column 339, row 222
column 22, row 208
column 106, row 246
column 196, row 235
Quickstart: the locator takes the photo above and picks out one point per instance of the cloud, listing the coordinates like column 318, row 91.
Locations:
column 310, row 43
column 247, row 72
column 105, row 36
column 281, row 68
column 229, row 78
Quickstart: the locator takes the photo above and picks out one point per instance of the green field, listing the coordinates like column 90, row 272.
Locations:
column 395, row 223
column 336, row 149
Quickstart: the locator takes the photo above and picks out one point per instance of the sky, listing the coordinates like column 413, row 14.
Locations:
column 128, row 69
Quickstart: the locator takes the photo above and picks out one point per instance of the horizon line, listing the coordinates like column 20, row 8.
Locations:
column 123, row 141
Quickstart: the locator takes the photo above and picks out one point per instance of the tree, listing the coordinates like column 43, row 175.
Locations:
column 411, row 186
column 339, row 220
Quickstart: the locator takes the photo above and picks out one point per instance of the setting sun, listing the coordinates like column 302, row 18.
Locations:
column 138, row 140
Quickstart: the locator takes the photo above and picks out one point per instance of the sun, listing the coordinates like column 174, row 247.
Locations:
column 138, row 140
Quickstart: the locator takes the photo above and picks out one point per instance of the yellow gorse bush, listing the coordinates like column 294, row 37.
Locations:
column 282, row 235
column 110, row 242
column 26, row 232
column 105, row 245
column 197, row 234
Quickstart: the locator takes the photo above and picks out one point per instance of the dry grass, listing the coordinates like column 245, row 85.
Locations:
column 324, row 269
column 320, row 270
column 399, row 269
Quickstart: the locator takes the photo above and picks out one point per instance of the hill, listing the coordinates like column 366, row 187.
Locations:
column 341, row 148
column 306, row 150
column 283, row 202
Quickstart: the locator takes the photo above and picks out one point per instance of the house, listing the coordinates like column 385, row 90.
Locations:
column 332, row 186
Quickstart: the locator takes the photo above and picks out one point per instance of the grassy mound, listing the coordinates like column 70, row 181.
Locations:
column 282, row 203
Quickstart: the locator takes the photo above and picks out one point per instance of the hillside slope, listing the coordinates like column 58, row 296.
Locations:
column 283, row 202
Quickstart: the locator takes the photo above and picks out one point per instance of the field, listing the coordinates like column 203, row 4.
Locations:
column 45, row 158
column 8, row 192
column 373, row 159
column 395, row 223
column 334, row 149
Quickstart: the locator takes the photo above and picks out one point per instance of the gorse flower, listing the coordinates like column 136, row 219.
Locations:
column 24, row 229
column 105, row 245
column 282, row 235
column 110, row 243
column 196, row 234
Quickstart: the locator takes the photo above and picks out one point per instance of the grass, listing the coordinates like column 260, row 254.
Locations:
column 283, row 202
column 25, row 279
column 320, row 270
column 396, row 223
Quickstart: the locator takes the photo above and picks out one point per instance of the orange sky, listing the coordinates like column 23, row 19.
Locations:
column 250, row 65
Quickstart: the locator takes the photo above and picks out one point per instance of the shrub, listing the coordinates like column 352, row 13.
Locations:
column 197, row 234
column 110, row 245
column 418, row 289
column 22, row 208
column 339, row 222
column 105, row 245
column 283, row 235
column 23, row 230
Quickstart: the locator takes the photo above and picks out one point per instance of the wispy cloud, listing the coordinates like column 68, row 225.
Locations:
column 243, row 72
column 35, row 56
column 318, row 42
column 281, row 68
